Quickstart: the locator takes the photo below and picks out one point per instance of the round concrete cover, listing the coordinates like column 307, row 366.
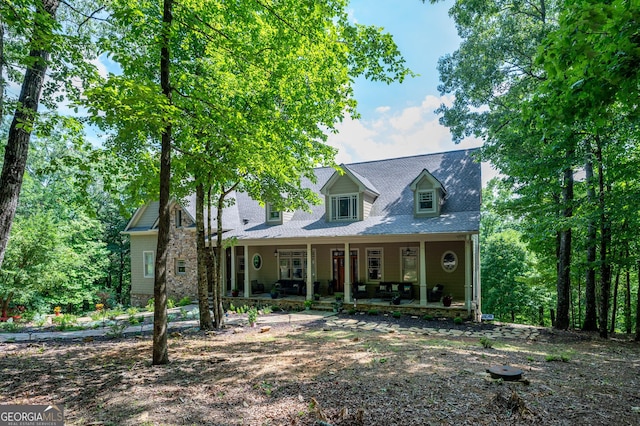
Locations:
column 505, row 372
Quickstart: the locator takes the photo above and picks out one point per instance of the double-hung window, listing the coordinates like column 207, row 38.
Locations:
column 272, row 215
column 344, row 207
column 426, row 201
column 374, row 264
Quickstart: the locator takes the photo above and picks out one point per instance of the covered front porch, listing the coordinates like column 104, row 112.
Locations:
column 376, row 271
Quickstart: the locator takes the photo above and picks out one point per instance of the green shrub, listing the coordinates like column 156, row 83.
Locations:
column 267, row 310
column 458, row 320
column 352, row 311
column 150, row 305
column 372, row 312
column 427, row 317
column 486, row 342
column 184, row 301
column 171, row 303
column 252, row 315
column 396, row 314
column 132, row 310
column 64, row 321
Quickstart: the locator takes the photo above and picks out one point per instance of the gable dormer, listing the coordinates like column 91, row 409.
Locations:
column 428, row 195
column 275, row 216
column 348, row 196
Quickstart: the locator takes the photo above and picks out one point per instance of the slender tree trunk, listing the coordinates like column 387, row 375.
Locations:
column 627, row 300
column 614, row 305
column 160, row 347
column 1, row 73
column 17, row 149
column 591, row 314
column 201, row 248
column 564, row 255
column 637, row 337
column 605, row 241
column 218, row 309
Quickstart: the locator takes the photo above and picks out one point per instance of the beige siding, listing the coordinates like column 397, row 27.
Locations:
column 148, row 216
column 453, row 281
column 367, row 205
column 140, row 244
column 344, row 185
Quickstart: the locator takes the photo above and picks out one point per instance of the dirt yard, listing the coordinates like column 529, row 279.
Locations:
column 311, row 374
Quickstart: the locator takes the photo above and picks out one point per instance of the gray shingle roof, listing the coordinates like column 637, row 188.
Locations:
column 392, row 211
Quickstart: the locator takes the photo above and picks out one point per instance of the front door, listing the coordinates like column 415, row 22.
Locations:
column 338, row 268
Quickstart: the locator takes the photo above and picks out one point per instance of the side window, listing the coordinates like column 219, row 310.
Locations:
column 181, row 267
column 178, row 218
column 148, row 264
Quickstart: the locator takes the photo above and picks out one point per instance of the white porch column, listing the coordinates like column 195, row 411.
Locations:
column 468, row 274
column 347, row 273
column 477, row 296
column 309, row 273
column 423, row 274
column 247, row 285
column 232, row 272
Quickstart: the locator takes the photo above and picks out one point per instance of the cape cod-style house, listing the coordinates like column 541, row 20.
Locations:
column 402, row 228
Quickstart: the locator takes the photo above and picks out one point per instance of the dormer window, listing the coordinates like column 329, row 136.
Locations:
column 344, row 207
column 426, row 201
column 272, row 214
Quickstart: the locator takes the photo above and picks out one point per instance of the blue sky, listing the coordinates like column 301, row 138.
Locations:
column 398, row 119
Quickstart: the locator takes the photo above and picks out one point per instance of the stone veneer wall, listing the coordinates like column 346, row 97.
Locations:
column 182, row 246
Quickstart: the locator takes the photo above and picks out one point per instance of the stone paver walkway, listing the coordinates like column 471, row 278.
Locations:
column 512, row 331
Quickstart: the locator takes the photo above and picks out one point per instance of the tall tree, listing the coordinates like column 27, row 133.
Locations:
column 17, row 148
column 255, row 87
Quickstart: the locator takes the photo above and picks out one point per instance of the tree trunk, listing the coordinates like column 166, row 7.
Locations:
column 612, row 326
column 160, row 346
column 564, row 255
column 212, row 278
column 627, row 300
column 590, row 317
column 218, row 309
column 201, row 247
column 637, row 337
column 605, row 240
column 17, row 149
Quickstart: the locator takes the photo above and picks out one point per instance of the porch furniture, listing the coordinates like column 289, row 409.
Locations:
column 406, row 291
column 256, row 287
column 294, row 287
column 359, row 290
column 435, row 294
column 383, row 291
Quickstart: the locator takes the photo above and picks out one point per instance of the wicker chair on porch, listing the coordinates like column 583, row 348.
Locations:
column 359, row 290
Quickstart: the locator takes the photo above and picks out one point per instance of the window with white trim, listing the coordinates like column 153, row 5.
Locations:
column 374, row 264
column 181, row 267
column 409, row 265
column 426, row 201
column 344, row 207
column 148, row 264
column 273, row 215
column 293, row 264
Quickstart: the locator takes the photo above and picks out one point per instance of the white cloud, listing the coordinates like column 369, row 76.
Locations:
column 413, row 130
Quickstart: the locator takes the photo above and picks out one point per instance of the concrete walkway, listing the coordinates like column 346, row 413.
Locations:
column 360, row 322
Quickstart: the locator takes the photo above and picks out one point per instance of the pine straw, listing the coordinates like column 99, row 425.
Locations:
column 293, row 375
